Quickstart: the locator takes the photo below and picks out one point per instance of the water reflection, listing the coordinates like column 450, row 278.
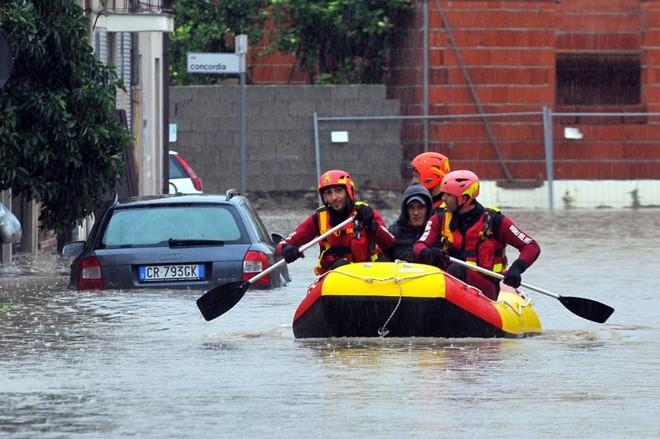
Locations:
column 466, row 360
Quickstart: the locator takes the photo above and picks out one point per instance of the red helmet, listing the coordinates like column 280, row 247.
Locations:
column 459, row 183
column 432, row 167
column 337, row 178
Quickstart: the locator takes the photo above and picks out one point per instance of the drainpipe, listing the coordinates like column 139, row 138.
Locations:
column 166, row 113
column 425, row 15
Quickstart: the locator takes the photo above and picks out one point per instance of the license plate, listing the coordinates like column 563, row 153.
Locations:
column 156, row 273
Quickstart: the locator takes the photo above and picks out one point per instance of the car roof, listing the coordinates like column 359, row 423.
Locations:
column 232, row 197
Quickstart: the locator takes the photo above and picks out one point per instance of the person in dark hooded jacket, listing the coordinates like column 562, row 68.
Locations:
column 416, row 209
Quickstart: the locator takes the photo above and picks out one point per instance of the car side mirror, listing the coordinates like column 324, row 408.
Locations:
column 276, row 237
column 73, row 248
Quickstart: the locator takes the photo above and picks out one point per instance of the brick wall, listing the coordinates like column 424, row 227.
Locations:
column 506, row 51
column 650, row 55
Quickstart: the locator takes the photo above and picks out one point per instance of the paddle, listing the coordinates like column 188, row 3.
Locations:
column 585, row 308
column 221, row 299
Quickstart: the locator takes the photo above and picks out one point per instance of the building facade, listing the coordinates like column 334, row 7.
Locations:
column 132, row 36
column 507, row 87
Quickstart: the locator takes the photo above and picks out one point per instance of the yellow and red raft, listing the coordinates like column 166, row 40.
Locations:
column 401, row 299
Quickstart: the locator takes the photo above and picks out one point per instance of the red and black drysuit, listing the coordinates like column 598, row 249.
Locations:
column 479, row 237
column 343, row 245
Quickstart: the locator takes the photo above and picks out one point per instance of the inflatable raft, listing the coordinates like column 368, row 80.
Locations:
column 400, row 299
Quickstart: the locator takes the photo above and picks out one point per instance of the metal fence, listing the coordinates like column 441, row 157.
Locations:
column 523, row 149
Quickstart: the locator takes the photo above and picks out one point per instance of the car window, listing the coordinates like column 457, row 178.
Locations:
column 157, row 224
column 176, row 170
column 257, row 224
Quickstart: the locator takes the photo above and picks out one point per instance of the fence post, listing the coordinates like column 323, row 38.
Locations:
column 549, row 163
column 425, row 5
column 317, row 146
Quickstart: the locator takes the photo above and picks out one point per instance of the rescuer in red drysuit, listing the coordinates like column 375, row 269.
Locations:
column 468, row 231
column 363, row 240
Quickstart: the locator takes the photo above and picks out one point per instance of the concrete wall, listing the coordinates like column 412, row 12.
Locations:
column 280, row 147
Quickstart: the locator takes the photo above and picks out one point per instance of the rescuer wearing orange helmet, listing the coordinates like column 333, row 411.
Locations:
column 468, row 231
column 429, row 170
column 361, row 241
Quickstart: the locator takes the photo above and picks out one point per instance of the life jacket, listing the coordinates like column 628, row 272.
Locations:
column 349, row 243
column 478, row 246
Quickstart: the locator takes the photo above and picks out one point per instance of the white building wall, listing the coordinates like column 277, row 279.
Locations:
column 151, row 148
column 112, row 26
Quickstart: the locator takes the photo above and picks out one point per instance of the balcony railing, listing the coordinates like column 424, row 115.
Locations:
column 137, row 6
column 134, row 15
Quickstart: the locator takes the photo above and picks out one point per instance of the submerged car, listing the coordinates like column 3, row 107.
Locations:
column 183, row 178
column 176, row 242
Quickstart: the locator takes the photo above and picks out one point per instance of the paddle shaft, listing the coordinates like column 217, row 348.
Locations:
column 500, row 277
column 585, row 308
column 222, row 298
column 303, row 248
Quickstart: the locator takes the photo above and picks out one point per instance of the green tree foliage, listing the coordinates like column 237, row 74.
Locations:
column 334, row 41
column 202, row 26
column 61, row 141
column 339, row 41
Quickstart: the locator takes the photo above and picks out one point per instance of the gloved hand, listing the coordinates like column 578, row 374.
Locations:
column 441, row 257
column 512, row 275
column 434, row 256
column 365, row 215
column 290, row 253
column 426, row 256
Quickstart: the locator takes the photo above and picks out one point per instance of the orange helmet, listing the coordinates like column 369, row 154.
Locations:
column 337, row 178
column 459, row 183
column 432, row 167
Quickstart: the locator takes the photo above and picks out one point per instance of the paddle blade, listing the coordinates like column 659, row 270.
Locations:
column 219, row 300
column 587, row 308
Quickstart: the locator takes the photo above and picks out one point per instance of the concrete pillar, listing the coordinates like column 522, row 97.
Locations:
column 151, row 84
column 6, row 253
column 30, row 224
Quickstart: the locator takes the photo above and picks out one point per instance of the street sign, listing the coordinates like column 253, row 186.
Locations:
column 219, row 63
column 172, row 133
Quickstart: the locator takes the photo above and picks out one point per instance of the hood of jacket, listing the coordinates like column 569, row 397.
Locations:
column 416, row 190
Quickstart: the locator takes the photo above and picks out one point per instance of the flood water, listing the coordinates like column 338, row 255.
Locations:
column 146, row 364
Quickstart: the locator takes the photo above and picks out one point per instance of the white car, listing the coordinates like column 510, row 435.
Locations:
column 183, row 179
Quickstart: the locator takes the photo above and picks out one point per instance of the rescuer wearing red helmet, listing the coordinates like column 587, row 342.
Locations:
column 468, row 231
column 429, row 170
column 361, row 241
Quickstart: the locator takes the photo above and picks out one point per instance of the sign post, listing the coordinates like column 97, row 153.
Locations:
column 241, row 46
column 225, row 63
